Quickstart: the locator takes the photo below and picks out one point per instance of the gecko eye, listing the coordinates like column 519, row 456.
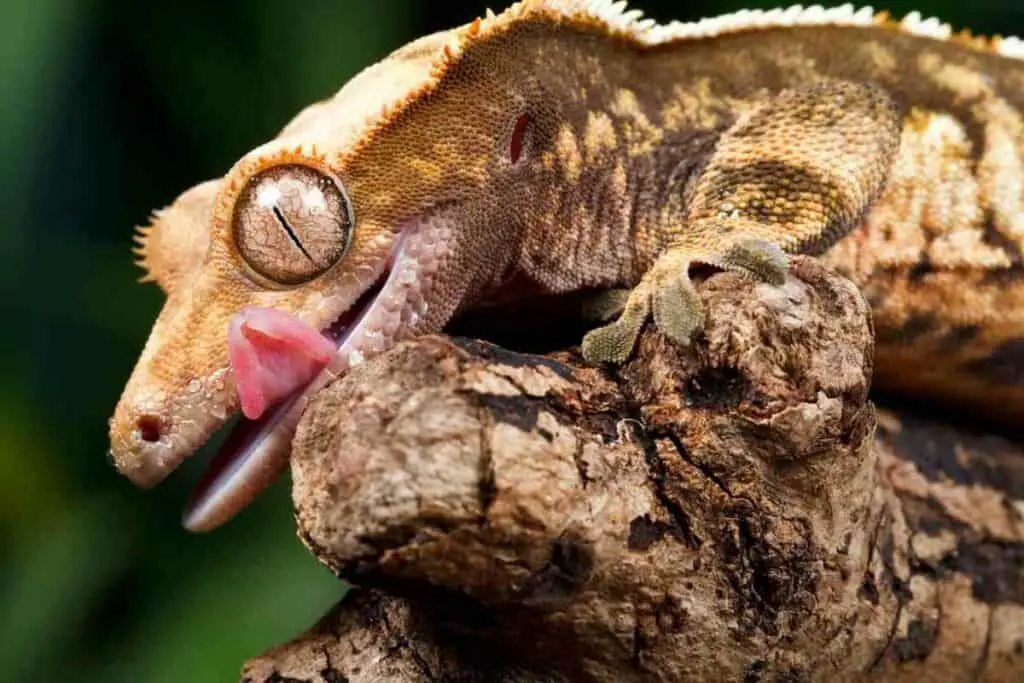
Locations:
column 291, row 223
column 519, row 130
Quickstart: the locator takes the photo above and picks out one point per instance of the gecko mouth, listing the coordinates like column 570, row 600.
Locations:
column 255, row 452
column 393, row 308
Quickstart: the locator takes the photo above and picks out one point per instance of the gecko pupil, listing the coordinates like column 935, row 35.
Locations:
column 518, row 137
column 292, row 223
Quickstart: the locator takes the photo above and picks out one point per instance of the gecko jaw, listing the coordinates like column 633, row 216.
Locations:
column 256, row 452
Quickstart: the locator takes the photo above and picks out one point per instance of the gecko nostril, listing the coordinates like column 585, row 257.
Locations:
column 149, row 428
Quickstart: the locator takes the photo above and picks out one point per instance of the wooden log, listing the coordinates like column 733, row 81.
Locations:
column 721, row 512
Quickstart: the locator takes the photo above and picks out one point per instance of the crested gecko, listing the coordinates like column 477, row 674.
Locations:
column 570, row 145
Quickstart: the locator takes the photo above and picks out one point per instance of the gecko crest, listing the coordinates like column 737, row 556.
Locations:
column 615, row 18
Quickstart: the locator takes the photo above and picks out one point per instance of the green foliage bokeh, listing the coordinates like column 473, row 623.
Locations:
column 109, row 109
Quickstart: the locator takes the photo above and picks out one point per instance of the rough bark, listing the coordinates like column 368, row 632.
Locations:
column 723, row 512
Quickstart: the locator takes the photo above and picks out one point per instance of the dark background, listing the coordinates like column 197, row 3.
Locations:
column 108, row 109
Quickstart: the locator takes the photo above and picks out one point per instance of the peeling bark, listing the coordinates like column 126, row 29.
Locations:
column 723, row 512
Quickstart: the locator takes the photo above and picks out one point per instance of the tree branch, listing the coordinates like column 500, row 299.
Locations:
column 713, row 513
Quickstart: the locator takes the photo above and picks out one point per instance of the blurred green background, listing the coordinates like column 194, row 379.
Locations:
column 110, row 109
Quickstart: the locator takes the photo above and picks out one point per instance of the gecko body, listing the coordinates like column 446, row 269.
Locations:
column 574, row 145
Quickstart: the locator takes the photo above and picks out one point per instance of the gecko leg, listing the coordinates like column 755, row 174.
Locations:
column 793, row 174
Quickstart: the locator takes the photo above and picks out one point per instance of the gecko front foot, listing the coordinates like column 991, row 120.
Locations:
column 667, row 295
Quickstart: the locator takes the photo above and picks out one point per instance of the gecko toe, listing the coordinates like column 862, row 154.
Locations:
column 677, row 310
column 614, row 342
column 758, row 258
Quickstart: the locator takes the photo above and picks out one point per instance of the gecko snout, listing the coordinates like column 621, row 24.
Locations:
column 152, row 431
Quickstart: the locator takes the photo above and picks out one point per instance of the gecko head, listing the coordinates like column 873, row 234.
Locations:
column 374, row 216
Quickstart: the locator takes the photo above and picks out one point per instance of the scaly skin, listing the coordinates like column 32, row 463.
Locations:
column 566, row 145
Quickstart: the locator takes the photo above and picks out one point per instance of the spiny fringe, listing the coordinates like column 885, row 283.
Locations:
column 616, row 17
column 139, row 249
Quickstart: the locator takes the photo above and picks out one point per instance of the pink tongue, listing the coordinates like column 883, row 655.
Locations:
column 272, row 354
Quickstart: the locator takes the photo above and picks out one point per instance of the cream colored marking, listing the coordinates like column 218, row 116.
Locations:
column 569, row 152
column 881, row 56
column 948, row 251
column 611, row 244
column 619, row 179
column 680, row 110
column 687, row 107
column 931, row 203
column 599, row 136
column 624, row 255
column 959, row 80
column 641, row 136
column 951, row 211
column 800, row 67
column 429, row 170
column 1001, row 168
